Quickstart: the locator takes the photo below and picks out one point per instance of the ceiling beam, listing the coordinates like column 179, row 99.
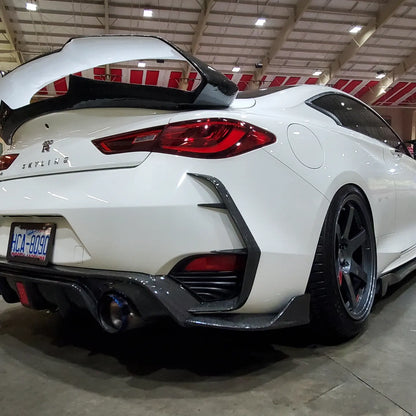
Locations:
column 9, row 31
column 202, row 23
column 106, row 18
column 107, row 31
column 394, row 75
column 278, row 42
column 206, row 7
column 360, row 39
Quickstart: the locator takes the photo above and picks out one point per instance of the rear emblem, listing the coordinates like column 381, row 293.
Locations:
column 46, row 146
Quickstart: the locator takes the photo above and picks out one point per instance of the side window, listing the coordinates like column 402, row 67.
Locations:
column 356, row 116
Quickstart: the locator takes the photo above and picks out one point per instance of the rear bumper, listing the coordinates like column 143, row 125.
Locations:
column 151, row 296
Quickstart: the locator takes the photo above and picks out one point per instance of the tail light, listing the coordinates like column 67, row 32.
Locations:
column 204, row 138
column 7, row 160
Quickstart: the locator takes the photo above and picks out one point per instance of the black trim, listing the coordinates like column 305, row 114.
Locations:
column 214, row 91
column 152, row 296
column 295, row 313
column 396, row 275
column 253, row 250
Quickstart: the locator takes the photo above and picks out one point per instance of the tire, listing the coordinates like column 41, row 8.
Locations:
column 342, row 282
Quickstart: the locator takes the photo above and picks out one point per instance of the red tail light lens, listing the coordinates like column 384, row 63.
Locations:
column 7, row 160
column 233, row 263
column 137, row 141
column 205, row 138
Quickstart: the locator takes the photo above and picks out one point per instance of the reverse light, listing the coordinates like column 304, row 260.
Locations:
column 204, row 138
column 7, row 160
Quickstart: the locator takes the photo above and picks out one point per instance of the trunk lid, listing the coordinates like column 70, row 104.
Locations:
column 62, row 142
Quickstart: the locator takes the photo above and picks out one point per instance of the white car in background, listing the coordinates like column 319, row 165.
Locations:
column 137, row 202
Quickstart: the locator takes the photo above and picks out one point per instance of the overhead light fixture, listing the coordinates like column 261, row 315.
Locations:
column 355, row 29
column 317, row 73
column 31, row 6
column 260, row 21
column 380, row 74
column 258, row 65
column 141, row 64
column 236, row 69
column 147, row 13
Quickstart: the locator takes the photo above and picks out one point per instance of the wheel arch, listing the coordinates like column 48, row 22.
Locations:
column 354, row 179
column 340, row 313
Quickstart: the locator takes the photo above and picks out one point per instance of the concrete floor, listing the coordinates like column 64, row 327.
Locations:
column 48, row 368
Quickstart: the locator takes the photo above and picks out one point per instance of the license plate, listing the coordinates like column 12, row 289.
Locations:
column 31, row 242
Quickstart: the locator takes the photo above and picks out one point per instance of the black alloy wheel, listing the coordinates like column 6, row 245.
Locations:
column 343, row 277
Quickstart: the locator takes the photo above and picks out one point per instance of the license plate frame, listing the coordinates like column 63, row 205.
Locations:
column 31, row 230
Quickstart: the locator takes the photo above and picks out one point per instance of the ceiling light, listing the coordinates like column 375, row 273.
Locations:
column 147, row 13
column 355, row 29
column 260, row 21
column 31, row 6
column 380, row 74
column 317, row 73
column 141, row 64
column 236, row 69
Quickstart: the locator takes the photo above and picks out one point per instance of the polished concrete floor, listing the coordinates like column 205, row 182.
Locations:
column 48, row 368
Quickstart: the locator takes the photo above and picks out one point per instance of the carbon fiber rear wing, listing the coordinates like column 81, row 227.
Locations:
column 18, row 87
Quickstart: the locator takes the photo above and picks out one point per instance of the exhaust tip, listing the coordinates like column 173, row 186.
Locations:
column 116, row 314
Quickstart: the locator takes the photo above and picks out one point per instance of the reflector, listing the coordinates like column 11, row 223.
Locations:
column 227, row 262
column 21, row 290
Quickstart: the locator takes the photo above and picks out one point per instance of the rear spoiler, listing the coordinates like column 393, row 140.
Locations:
column 18, row 86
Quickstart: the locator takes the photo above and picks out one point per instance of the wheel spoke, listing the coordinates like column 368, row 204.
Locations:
column 347, row 230
column 357, row 241
column 357, row 270
column 338, row 233
column 351, row 294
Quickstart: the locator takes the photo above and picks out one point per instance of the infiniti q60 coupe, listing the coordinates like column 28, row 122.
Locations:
column 253, row 211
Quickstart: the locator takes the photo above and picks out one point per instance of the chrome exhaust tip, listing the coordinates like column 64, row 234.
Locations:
column 116, row 314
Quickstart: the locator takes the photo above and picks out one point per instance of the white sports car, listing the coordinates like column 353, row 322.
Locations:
column 264, row 210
